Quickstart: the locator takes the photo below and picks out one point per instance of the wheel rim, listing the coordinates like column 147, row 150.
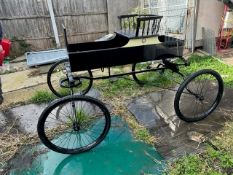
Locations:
column 59, row 85
column 75, row 126
column 159, row 78
column 147, row 78
column 199, row 97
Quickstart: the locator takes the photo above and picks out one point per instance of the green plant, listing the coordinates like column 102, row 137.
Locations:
column 222, row 157
column 81, row 117
column 211, row 161
column 64, row 91
column 127, row 87
column 144, row 135
column 190, row 165
column 208, row 62
column 119, row 87
column 224, row 138
column 42, row 97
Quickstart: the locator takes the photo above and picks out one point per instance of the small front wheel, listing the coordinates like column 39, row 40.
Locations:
column 74, row 124
column 58, row 82
column 199, row 95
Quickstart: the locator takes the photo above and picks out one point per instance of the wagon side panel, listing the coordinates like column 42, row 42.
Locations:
column 105, row 58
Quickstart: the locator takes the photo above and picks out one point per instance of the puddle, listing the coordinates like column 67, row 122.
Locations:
column 118, row 154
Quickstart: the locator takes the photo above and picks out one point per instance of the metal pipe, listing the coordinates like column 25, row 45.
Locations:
column 194, row 34
column 54, row 25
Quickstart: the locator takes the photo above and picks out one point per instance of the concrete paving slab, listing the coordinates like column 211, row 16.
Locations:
column 28, row 115
column 173, row 132
column 144, row 112
column 24, row 118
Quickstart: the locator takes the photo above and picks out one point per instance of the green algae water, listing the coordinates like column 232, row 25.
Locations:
column 118, row 154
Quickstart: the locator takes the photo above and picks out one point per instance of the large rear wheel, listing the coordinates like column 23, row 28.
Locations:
column 156, row 74
column 199, row 95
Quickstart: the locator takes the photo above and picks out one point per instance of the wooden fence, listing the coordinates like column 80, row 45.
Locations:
column 30, row 20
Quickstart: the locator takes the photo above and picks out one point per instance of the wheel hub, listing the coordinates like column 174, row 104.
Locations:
column 200, row 98
column 76, row 126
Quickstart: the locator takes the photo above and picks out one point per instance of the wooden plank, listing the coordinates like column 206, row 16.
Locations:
column 47, row 16
column 29, row 20
column 70, row 35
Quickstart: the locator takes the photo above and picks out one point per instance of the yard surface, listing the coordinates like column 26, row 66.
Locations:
column 209, row 161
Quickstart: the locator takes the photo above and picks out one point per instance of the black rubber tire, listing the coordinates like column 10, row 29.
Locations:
column 83, row 148
column 53, row 89
column 183, row 87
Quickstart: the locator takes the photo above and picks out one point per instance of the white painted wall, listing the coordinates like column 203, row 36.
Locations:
column 209, row 16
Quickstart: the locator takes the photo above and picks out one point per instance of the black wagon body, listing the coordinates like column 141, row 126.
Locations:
column 87, row 56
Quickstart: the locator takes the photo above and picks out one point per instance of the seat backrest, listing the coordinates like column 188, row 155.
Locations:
column 140, row 25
